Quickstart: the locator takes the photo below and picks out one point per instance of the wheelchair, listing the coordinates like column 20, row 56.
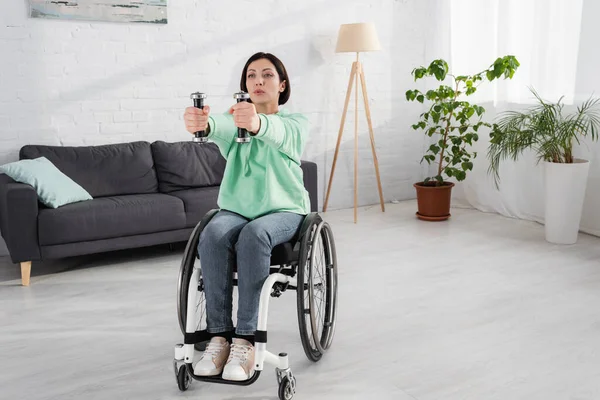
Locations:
column 306, row 264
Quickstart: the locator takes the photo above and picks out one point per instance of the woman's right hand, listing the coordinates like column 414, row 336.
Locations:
column 196, row 119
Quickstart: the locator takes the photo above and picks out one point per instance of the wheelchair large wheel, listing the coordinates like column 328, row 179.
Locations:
column 189, row 262
column 317, row 289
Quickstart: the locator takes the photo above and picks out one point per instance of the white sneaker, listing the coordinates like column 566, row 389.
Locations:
column 240, row 365
column 214, row 357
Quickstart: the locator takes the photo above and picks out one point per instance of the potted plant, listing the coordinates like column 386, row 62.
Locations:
column 551, row 135
column 449, row 118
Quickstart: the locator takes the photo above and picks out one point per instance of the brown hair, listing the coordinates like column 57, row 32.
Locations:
column 281, row 71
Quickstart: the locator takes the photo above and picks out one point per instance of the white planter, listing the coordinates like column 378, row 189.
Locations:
column 565, row 186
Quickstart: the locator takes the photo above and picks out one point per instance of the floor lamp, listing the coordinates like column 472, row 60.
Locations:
column 356, row 38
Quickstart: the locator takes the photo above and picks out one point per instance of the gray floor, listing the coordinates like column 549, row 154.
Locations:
column 476, row 308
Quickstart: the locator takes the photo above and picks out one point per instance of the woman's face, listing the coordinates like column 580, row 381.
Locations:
column 263, row 82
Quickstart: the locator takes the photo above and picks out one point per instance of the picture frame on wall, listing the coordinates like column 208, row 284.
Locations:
column 140, row 11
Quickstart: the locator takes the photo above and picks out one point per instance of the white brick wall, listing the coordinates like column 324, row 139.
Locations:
column 77, row 83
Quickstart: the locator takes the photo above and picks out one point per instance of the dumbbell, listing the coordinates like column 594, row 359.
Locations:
column 242, row 136
column 198, row 98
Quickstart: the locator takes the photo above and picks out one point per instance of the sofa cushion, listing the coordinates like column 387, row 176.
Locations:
column 53, row 188
column 185, row 165
column 106, row 170
column 197, row 202
column 110, row 217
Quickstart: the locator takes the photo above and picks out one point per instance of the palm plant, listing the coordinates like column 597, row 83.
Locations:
column 544, row 129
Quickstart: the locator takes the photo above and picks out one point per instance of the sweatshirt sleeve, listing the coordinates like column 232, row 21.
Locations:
column 222, row 131
column 287, row 133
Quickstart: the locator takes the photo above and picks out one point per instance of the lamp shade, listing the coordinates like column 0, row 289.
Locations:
column 355, row 38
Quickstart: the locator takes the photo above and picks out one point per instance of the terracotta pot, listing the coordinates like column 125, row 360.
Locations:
column 434, row 201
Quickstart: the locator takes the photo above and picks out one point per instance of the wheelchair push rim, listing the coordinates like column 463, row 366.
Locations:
column 323, row 280
column 188, row 264
column 317, row 290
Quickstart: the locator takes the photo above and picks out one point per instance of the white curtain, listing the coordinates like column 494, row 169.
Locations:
column 545, row 36
column 542, row 34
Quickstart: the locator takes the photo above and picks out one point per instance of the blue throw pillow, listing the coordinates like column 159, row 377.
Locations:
column 54, row 189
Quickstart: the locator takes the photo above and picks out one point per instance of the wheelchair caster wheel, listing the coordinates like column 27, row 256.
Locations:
column 287, row 384
column 287, row 388
column 183, row 378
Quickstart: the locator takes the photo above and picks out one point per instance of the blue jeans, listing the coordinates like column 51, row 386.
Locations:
column 230, row 239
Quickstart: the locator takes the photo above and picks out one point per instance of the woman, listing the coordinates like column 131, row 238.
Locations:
column 262, row 203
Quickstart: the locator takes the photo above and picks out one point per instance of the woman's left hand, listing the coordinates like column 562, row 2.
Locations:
column 245, row 116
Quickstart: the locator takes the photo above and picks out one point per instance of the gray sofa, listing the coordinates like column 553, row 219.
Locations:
column 143, row 193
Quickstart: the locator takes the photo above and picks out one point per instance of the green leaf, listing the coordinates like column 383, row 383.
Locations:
column 434, row 149
column 499, row 68
column 513, row 62
column 439, row 68
column 429, row 158
column 467, row 166
column 420, row 98
column 419, row 72
column 437, row 108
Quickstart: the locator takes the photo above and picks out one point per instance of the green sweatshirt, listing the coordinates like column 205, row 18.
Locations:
column 263, row 176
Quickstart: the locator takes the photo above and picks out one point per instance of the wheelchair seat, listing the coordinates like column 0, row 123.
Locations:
column 284, row 253
column 289, row 252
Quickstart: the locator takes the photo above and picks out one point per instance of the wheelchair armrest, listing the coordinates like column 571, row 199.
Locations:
column 207, row 217
column 201, row 225
column 310, row 219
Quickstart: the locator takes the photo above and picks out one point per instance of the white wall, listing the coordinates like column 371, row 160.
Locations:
column 78, row 83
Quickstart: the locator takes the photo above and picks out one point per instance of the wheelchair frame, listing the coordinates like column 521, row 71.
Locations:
column 289, row 275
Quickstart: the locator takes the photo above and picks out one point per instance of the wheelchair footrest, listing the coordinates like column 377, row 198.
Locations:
column 219, row 378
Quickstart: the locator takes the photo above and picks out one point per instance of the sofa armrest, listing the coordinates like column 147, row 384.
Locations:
column 18, row 219
column 309, row 169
